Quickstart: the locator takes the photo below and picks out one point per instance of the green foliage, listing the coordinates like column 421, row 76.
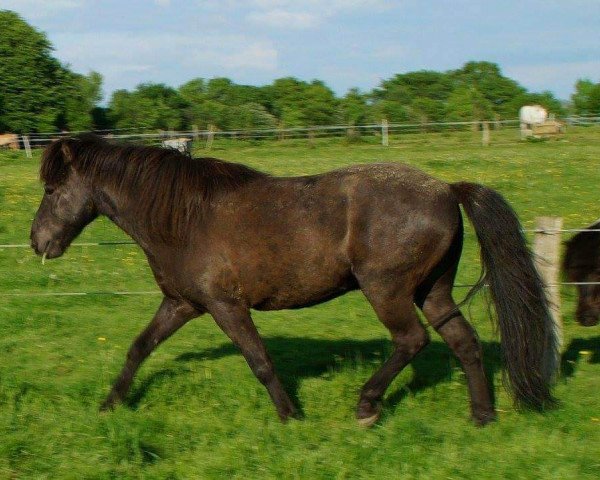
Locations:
column 487, row 79
column 467, row 103
column 37, row 93
column 354, row 109
column 586, row 99
column 150, row 105
column 297, row 103
column 85, row 94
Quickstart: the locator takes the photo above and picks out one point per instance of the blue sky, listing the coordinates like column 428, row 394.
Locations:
column 545, row 44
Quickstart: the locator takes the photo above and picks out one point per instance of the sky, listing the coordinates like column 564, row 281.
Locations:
column 543, row 44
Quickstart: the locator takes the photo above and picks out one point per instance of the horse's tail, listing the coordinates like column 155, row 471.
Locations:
column 527, row 332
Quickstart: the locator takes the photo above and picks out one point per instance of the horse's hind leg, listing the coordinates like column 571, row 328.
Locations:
column 397, row 312
column 442, row 313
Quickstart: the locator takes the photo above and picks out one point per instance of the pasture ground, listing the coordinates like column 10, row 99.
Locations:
column 196, row 411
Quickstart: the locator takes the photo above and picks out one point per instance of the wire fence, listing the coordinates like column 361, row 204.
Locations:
column 40, row 139
column 112, row 243
column 311, row 133
column 157, row 292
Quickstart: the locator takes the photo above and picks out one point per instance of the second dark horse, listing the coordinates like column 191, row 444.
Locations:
column 223, row 238
column 582, row 266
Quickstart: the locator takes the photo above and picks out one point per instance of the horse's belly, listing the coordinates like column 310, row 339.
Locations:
column 295, row 281
column 303, row 295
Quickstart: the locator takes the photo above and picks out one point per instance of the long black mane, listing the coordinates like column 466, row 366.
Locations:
column 165, row 187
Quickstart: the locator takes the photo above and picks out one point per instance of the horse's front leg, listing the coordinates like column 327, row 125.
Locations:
column 171, row 315
column 236, row 322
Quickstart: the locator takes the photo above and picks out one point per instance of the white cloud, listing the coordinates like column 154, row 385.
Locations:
column 150, row 56
column 278, row 18
column 297, row 14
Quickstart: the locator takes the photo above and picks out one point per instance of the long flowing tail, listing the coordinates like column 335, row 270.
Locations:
column 527, row 332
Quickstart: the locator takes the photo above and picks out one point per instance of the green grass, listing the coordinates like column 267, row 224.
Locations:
column 196, row 411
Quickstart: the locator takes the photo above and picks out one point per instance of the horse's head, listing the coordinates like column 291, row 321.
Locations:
column 67, row 205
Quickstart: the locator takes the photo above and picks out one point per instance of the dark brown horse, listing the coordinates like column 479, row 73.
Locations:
column 223, row 238
column 582, row 265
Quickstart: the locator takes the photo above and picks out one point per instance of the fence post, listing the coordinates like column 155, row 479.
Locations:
column 546, row 248
column 485, row 134
column 27, row 146
column 210, row 136
column 311, row 138
column 195, row 132
column 385, row 141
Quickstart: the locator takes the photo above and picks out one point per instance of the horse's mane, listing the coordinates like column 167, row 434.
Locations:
column 165, row 188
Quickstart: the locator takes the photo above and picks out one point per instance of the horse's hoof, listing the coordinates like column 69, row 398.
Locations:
column 291, row 413
column 367, row 414
column 482, row 419
column 369, row 421
column 108, row 404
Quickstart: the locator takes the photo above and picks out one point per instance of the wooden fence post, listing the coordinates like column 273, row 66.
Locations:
column 27, row 146
column 311, row 138
column 210, row 136
column 485, row 134
column 195, row 132
column 547, row 257
column 385, row 141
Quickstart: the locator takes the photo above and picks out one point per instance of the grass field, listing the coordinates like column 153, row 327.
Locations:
column 196, row 411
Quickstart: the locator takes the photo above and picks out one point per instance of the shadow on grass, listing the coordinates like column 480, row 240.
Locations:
column 296, row 358
column 579, row 348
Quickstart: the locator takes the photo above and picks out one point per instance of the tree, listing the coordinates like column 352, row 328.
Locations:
column 414, row 96
column 80, row 105
column 298, row 103
column 466, row 104
column 354, row 108
column 150, row 105
column 586, row 99
column 37, row 93
column 487, row 79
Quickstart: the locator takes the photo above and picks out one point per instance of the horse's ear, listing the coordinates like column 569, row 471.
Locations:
column 67, row 150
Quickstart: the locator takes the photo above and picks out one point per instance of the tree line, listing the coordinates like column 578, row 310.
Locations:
column 39, row 94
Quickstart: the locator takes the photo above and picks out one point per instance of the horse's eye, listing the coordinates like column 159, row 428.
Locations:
column 49, row 190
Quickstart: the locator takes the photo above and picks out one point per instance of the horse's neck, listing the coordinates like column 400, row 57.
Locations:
column 116, row 210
